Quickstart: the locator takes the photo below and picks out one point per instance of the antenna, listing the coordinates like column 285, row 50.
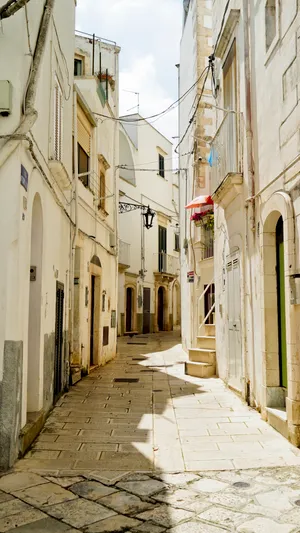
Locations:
column 138, row 100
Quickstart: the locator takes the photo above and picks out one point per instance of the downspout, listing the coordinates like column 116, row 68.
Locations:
column 75, row 196
column 116, row 182
column 251, row 179
column 30, row 114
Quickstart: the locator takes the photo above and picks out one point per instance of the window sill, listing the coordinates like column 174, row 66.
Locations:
column 103, row 212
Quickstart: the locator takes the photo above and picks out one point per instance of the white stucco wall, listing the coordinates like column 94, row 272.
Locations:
column 16, row 203
column 147, row 188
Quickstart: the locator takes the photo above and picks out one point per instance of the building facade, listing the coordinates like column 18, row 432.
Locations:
column 149, row 290
column 96, row 149
column 37, row 50
column 255, row 185
column 196, row 225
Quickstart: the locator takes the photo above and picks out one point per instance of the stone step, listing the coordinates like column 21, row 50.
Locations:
column 210, row 330
column 202, row 355
column 200, row 370
column 206, row 341
column 277, row 418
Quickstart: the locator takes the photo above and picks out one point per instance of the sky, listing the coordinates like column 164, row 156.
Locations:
column 148, row 32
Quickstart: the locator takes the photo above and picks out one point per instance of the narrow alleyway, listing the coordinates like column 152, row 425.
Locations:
column 137, row 446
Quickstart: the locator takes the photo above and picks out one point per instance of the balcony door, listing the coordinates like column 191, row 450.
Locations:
column 230, row 103
column 162, row 249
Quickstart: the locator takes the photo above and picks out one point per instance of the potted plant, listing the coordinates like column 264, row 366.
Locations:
column 206, row 218
column 105, row 76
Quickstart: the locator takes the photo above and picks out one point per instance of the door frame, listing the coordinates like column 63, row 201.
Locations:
column 235, row 380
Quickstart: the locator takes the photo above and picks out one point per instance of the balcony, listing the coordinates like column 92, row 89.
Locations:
column 124, row 255
column 227, row 159
column 167, row 264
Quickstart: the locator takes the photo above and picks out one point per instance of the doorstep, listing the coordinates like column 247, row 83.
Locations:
column 277, row 418
column 31, row 430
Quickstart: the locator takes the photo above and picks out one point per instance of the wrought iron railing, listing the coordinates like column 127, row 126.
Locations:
column 227, row 149
column 208, row 242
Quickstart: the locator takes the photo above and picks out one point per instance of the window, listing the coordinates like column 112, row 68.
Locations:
column 103, row 166
column 176, row 245
column 83, row 165
column 162, row 249
column 230, row 102
column 58, row 118
column 102, row 193
column 161, row 165
column 84, row 135
column 78, row 67
column 270, row 22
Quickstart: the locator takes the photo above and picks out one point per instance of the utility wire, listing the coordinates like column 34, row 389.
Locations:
column 169, row 108
column 195, row 112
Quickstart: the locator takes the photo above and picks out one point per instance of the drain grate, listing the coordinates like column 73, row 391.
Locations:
column 157, row 390
column 126, row 380
column 138, row 343
column 147, row 371
column 138, row 359
column 241, row 485
column 297, row 502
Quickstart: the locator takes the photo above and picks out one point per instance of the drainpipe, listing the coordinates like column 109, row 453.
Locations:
column 75, row 196
column 251, row 178
column 116, row 157
column 30, row 114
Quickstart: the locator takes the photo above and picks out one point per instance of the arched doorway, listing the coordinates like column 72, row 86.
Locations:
column 34, row 362
column 129, row 308
column 280, row 278
column 160, row 308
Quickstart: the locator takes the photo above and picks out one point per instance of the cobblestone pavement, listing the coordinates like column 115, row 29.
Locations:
column 162, row 452
column 248, row 501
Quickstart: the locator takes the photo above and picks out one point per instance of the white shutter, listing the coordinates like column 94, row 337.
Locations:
column 58, row 119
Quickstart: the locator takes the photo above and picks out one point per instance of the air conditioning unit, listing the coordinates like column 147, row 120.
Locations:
column 5, row 98
column 112, row 240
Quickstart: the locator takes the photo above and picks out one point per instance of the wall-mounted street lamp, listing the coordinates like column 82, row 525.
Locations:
column 147, row 213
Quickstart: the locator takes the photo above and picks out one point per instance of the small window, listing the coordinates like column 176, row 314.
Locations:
column 105, row 335
column 176, row 246
column 78, row 67
column 83, row 165
column 102, row 188
column 161, row 165
column 270, row 22
column 58, row 121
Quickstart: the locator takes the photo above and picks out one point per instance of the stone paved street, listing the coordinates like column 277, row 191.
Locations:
column 165, row 452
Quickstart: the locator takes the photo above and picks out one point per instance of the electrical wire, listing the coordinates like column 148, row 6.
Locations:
column 207, row 69
column 162, row 113
column 148, row 169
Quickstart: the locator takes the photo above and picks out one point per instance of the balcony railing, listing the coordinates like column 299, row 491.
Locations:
column 227, row 149
column 124, row 253
column 168, row 264
column 208, row 243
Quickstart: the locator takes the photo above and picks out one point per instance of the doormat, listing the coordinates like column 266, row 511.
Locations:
column 126, row 380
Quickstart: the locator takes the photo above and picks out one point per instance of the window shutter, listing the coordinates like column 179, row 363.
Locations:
column 84, row 131
column 57, row 122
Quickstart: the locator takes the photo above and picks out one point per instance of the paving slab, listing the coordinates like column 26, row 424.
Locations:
column 79, row 513
column 91, row 490
column 116, row 524
column 18, row 481
column 166, row 516
column 43, row 495
column 21, row 518
column 142, row 488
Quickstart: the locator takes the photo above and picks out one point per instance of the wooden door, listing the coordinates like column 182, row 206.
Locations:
column 58, row 356
column 281, row 303
column 146, row 309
